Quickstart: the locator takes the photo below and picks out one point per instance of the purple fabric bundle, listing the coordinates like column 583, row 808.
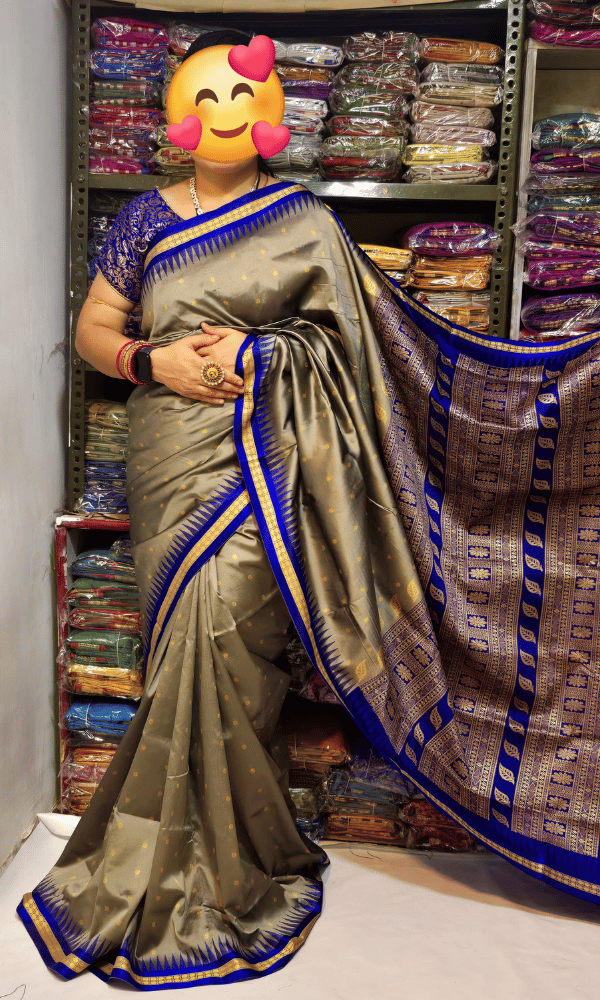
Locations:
column 535, row 248
column 311, row 89
column 566, row 161
column 579, row 227
column 461, row 239
column 585, row 37
column 563, row 273
column 577, row 312
column 127, row 33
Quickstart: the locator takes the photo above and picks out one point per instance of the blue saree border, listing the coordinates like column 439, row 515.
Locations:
column 144, row 975
column 281, row 198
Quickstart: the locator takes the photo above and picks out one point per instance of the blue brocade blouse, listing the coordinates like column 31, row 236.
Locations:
column 121, row 259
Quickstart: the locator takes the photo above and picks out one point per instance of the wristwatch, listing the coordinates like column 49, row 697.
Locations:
column 142, row 366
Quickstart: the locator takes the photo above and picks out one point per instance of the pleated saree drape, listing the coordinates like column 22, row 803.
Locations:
column 423, row 504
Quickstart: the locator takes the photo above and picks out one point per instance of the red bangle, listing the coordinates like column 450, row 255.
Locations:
column 125, row 358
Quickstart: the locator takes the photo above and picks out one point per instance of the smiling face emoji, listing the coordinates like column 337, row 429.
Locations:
column 227, row 104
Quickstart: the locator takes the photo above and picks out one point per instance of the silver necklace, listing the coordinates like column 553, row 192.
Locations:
column 195, row 197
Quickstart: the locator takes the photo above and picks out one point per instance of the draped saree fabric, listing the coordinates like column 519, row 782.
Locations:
column 423, row 504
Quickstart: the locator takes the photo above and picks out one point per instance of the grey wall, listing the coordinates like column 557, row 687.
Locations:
column 34, row 39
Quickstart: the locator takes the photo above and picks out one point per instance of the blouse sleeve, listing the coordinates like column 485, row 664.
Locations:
column 121, row 259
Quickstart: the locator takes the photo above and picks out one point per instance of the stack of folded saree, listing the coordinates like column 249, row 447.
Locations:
column 104, row 489
column 181, row 34
column 566, row 161
column 99, row 718
column 103, row 604
column 456, row 257
column 393, row 260
column 557, row 316
column 106, row 431
column 114, row 565
column 102, row 662
column 127, row 67
column 360, row 810
column 565, row 22
column 349, row 157
column 451, row 137
column 304, row 115
column 314, row 82
column 468, row 309
column 355, row 100
column 83, row 770
column 169, row 159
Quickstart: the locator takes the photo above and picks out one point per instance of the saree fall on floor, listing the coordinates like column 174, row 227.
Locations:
column 424, row 505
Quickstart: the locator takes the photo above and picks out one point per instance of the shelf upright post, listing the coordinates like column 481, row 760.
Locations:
column 79, row 223
column 507, row 169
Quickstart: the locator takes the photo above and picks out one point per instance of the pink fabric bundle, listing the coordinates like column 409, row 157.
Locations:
column 127, row 33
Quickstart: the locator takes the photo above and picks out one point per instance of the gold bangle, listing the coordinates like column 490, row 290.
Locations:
column 101, row 302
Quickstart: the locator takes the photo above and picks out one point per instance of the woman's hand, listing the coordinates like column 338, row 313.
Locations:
column 178, row 366
column 226, row 349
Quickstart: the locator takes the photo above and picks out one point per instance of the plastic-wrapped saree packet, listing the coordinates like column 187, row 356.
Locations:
column 430, row 152
column 470, row 273
column 451, row 173
column 100, row 680
column 445, row 134
column 467, row 95
column 462, row 73
column 459, row 50
column 368, row 100
column 385, row 46
column 400, row 77
column 388, row 258
column 561, row 315
column 133, row 64
column 309, row 54
column 567, row 13
column 368, row 125
column 100, row 717
column 572, row 131
column 423, row 112
column 563, row 272
column 127, row 33
column 456, row 238
column 588, row 38
column 565, row 161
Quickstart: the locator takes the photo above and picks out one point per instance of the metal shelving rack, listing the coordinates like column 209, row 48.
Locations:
column 555, row 79
column 501, row 21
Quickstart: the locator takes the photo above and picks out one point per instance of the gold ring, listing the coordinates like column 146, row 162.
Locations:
column 212, row 374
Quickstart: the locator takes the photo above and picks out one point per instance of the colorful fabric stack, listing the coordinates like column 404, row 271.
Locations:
column 468, row 309
column 560, row 238
column 453, row 257
column 106, row 432
column 83, row 770
column 368, row 128
column 127, row 66
column 555, row 317
column 452, row 135
column 101, row 664
column 394, row 261
column 429, row 830
column 565, row 22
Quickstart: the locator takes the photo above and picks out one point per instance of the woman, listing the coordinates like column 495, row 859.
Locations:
column 389, row 484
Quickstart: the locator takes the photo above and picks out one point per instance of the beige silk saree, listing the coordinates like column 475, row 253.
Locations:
column 422, row 503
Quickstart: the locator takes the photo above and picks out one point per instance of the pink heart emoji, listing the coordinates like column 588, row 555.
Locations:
column 187, row 134
column 269, row 140
column 255, row 60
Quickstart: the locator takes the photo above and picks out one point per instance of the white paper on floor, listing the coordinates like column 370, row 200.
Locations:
column 396, row 924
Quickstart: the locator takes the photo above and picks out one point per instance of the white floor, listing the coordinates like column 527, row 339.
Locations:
column 396, row 926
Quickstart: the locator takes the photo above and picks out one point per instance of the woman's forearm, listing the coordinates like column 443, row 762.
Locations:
column 100, row 345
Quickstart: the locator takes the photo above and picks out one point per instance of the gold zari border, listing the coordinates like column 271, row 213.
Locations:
column 193, row 555
column 205, row 228
column 49, row 938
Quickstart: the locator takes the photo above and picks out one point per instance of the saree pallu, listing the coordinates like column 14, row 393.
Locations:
column 424, row 505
